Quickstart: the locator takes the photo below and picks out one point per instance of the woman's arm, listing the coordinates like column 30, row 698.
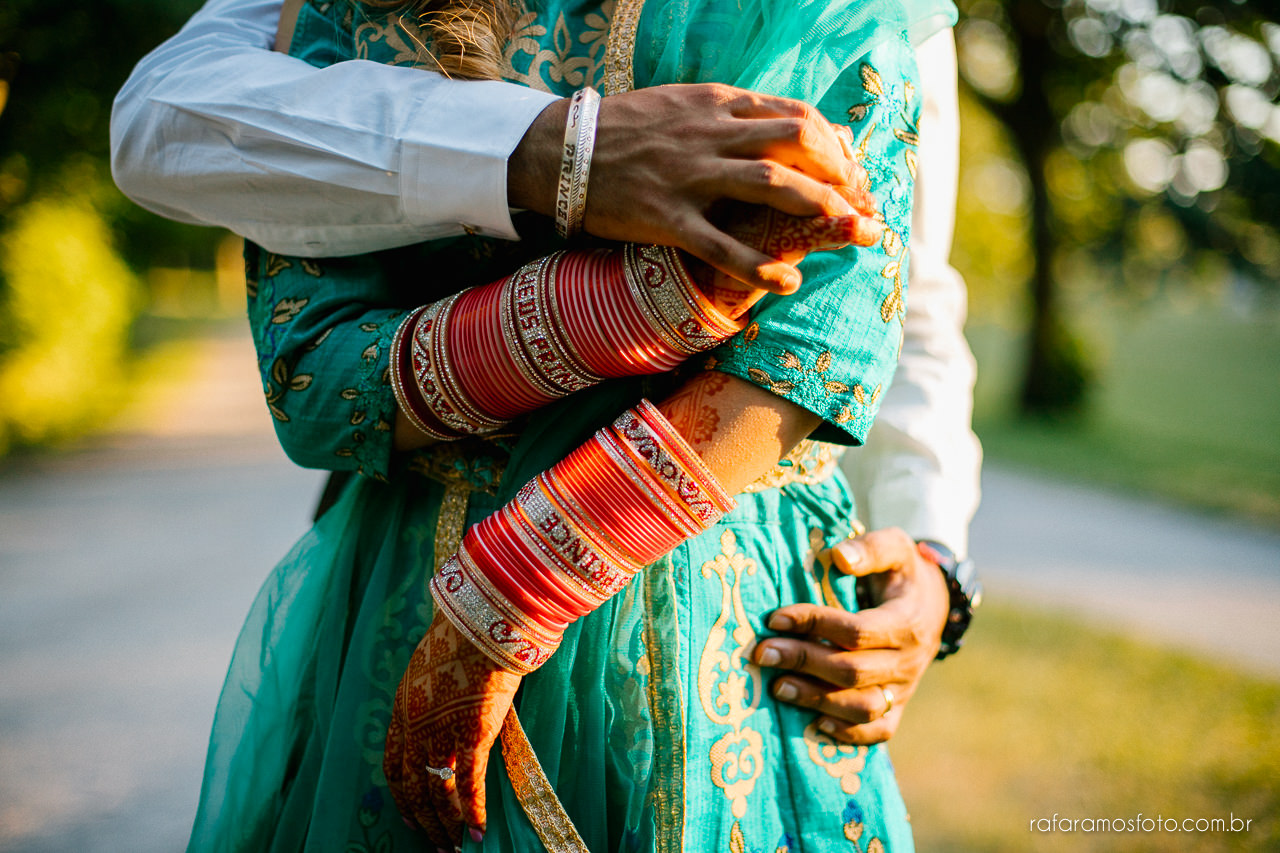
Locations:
column 739, row 431
column 470, row 363
column 824, row 356
column 340, row 361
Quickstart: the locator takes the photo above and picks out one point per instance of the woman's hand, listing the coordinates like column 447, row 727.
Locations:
column 788, row 239
column 847, row 665
column 666, row 156
column 448, row 711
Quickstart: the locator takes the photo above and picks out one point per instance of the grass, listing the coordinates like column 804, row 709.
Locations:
column 1187, row 407
column 1040, row 716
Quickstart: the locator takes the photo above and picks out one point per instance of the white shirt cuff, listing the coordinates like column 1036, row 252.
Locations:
column 459, row 174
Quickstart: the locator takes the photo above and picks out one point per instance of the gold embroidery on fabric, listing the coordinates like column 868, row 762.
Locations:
column 791, row 361
column 282, row 381
column 895, row 247
column 557, row 64
column 535, row 793
column 810, row 462
column 729, row 685
column 392, row 31
column 451, row 523
column 737, row 844
column 820, row 569
column 662, row 653
column 841, row 761
column 894, row 304
column 853, row 832
column 476, row 462
column 619, row 75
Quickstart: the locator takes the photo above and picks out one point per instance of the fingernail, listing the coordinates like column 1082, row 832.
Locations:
column 827, row 726
column 791, row 281
column 477, row 835
column 769, row 656
column 786, row 691
column 781, row 622
column 849, row 555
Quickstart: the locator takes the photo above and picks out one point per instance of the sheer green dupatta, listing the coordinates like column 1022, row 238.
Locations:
column 792, row 48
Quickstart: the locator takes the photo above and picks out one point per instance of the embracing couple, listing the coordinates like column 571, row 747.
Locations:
column 583, row 302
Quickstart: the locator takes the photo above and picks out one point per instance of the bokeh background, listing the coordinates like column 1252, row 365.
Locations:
column 1119, row 229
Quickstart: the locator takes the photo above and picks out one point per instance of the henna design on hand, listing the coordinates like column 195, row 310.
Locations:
column 449, row 709
column 787, row 238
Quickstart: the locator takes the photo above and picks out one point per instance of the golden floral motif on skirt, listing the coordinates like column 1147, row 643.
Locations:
column 729, row 685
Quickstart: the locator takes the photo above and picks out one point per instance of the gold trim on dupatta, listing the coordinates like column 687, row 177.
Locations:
column 620, row 51
column 534, row 791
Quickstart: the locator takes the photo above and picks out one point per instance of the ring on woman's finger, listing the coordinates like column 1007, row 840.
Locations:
column 888, row 700
column 445, row 773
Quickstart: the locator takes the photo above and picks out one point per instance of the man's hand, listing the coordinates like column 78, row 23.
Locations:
column 846, row 665
column 786, row 238
column 448, row 711
column 665, row 156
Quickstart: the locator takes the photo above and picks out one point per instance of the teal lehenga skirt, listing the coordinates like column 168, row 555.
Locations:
column 651, row 724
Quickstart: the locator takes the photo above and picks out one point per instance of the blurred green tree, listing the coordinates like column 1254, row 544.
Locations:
column 61, row 65
column 1150, row 135
column 67, row 297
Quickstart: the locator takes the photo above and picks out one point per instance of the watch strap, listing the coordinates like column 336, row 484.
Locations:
column 963, row 588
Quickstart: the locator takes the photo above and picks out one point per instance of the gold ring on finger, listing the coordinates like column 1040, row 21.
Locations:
column 888, row 701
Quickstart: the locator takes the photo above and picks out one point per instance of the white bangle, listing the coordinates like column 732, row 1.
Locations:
column 575, row 161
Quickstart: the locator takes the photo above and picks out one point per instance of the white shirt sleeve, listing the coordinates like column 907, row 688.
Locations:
column 920, row 467
column 215, row 128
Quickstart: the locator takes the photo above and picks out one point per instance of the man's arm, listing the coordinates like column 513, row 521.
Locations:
column 916, row 477
column 919, row 468
column 214, row 128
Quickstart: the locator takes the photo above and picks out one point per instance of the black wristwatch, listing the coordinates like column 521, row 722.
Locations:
column 964, row 588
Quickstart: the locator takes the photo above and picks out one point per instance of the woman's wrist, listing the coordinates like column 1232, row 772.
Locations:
column 470, row 363
column 575, row 535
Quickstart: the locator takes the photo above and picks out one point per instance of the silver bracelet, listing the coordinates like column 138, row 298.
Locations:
column 575, row 161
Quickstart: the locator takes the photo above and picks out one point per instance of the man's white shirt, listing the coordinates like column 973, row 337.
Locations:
column 215, row 128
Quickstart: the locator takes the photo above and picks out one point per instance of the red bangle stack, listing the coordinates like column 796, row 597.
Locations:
column 575, row 535
column 470, row 363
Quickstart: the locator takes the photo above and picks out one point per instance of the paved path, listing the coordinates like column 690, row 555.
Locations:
column 125, row 572
column 1187, row 580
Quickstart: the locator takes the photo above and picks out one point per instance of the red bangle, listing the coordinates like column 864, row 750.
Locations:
column 575, row 535
column 486, row 551
column 405, row 388
column 525, row 566
column 556, row 326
